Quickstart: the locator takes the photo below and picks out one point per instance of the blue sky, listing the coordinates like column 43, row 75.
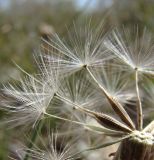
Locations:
column 4, row 3
column 79, row 3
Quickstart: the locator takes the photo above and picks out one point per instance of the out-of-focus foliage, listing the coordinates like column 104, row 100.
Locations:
column 21, row 25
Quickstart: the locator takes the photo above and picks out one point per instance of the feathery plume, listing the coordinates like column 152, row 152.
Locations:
column 132, row 52
column 85, row 47
column 30, row 101
column 55, row 148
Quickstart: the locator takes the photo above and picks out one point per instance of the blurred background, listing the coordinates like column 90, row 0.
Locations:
column 24, row 22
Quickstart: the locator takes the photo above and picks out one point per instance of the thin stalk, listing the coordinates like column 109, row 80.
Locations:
column 95, row 80
column 67, row 100
column 76, row 106
column 33, row 138
column 64, row 119
column 139, row 105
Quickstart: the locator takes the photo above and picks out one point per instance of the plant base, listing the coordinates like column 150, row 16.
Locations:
column 140, row 146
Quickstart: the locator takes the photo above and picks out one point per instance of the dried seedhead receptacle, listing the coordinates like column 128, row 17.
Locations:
column 140, row 146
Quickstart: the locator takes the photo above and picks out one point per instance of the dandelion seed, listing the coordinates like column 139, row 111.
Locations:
column 33, row 96
column 117, row 107
column 136, row 57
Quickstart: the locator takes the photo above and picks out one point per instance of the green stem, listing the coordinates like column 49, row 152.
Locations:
column 34, row 135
